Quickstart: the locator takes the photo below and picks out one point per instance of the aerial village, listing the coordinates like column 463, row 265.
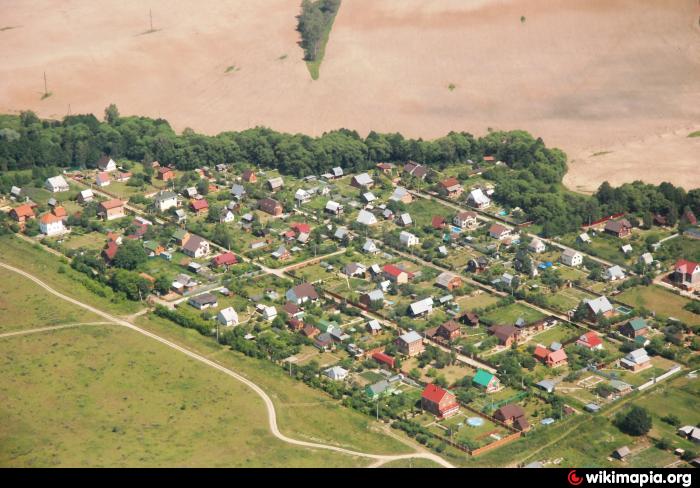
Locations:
column 407, row 293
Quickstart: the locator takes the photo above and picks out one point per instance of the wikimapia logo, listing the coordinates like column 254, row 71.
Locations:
column 638, row 479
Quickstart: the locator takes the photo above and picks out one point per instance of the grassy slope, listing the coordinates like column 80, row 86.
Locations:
column 98, row 396
column 24, row 306
column 661, row 301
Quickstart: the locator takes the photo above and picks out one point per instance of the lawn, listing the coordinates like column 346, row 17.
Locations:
column 23, row 305
column 481, row 300
column 91, row 240
column 111, row 397
column 665, row 303
column 509, row 314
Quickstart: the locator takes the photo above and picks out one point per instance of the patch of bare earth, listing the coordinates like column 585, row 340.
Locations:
column 588, row 76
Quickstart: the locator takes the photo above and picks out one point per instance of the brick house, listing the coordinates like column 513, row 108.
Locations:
column 410, row 344
column 112, row 209
column 270, row 206
column 438, row 401
column 618, row 228
column 448, row 330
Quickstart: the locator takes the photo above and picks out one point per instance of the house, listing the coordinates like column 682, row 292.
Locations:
column 51, row 225
column 370, row 247
column 366, row 218
column 514, row 415
column 600, row 306
column 553, row 359
column 416, row 170
column 621, row 453
column 448, row 330
column 590, row 340
column 324, row 342
column 238, row 191
column 404, row 220
column 407, row 239
column 249, row 176
column 111, row 209
column 105, row 163
column 636, row 360
column 506, row 334
column 333, row 208
column 626, row 249
column 110, row 251
column 300, row 227
column 374, row 327
column 372, row 299
column 546, row 385
column 368, row 197
column 86, row 196
column 384, row 359
column 437, row 222
column 337, row 172
column 448, row 281
column 22, row 213
column 465, row 220
column 310, row 331
column 379, row 389
column 123, row 176
column 102, row 179
column 196, row 247
column 165, row 200
column 477, row 265
column 203, row 301
column 584, row 238
column 469, row 318
column 410, row 344
column 570, row 257
column 165, row 174
column 497, row 231
column 15, row 192
column 270, row 206
column 477, row 199
column 292, row 310
column 686, row 274
column 385, row 168
column 227, row 317
column 537, row 246
column 336, row 373
column 275, row 184
column 190, row 192
column 281, row 254
column 486, row 381
column 180, row 216
column 395, row 274
column 59, row 212
column 302, row 293
column 402, row 195
column 618, row 228
column 180, row 236
column 692, row 433
column 226, row 216
column 354, row 269
column 421, row 307
column 450, row 187
column 302, row 196
column 438, row 401
column 153, row 248
column 635, row 328
column 646, row 259
column 199, row 207
column 56, row 184
column 224, row 259
column 362, row 181
column 614, row 273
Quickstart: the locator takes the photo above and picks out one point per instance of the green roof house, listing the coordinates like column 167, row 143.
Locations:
column 635, row 328
column 487, row 381
column 378, row 389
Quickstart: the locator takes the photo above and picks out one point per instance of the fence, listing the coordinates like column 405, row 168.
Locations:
column 668, row 373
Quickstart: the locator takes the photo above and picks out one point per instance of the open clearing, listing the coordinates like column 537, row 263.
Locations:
column 589, row 76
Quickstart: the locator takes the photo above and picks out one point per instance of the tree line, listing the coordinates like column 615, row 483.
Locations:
column 313, row 21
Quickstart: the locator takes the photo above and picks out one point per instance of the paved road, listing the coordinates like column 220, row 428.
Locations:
column 271, row 413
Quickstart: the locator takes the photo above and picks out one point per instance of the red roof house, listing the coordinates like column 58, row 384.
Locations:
column 383, row 358
column 199, row 206
column 224, row 259
column 301, row 228
column 590, row 340
column 439, row 401
column 396, row 274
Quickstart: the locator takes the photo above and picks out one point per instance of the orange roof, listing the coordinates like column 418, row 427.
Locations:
column 24, row 211
column 49, row 219
column 110, row 204
column 59, row 212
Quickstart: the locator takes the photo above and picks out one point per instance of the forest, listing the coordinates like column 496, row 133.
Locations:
column 530, row 177
column 315, row 19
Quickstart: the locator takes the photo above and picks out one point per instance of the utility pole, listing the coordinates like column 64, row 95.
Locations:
column 46, row 89
column 150, row 14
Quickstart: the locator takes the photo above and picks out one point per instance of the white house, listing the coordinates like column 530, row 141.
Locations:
column 571, row 257
column 336, row 373
column 102, row 179
column 302, row 196
column 165, row 200
column 51, row 225
column 334, row 207
column 226, row 216
column 536, row 245
column 366, row 218
column 370, row 247
column 405, row 219
column 407, row 239
column 268, row 313
column 56, row 184
column 106, row 163
column 86, row 196
column 421, row 307
column 646, row 258
column 227, row 317
column 614, row 273
column 196, row 247
column 477, row 199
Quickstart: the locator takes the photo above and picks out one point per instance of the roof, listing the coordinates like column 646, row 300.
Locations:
column 392, row 270
column 203, row 299
column 24, row 210
column 445, row 278
column 503, row 332
column 275, row 182
column 422, row 306
column 193, row 243
column 449, row 182
column 57, row 181
column 638, row 356
column 615, row 272
column 638, row 323
column 591, row 338
column 113, row 203
column 164, row 195
column 366, row 218
column 48, row 218
column 383, row 358
column 558, row 355
column 497, row 229
column 617, row 225
column 511, row 411
column 686, row 266
column 410, row 337
column 399, row 193
column 305, row 290
column 363, row 179
column 229, row 314
column 164, row 169
column 332, row 206
column 466, row 215
column 599, row 305
column 225, row 258
column 478, row 197
column 434, row 393
column 449, row 326
column 622, row 451
column 483, row 377
column 199, row 204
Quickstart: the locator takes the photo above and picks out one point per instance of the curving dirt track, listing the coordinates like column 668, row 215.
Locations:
column 620, row 77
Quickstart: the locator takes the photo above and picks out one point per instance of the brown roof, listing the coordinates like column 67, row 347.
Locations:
column 110, row 204
column 450, row 326
column 503, row 332
column 510, row 411
column 617, row 225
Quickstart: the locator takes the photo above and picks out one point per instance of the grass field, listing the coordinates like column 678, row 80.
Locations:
column 135, row 403
column 24, row 306
column 661, row 301
column 509, row 314
column 411, row 463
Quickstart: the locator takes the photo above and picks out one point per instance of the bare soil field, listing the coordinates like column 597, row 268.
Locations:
column 620, row 77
